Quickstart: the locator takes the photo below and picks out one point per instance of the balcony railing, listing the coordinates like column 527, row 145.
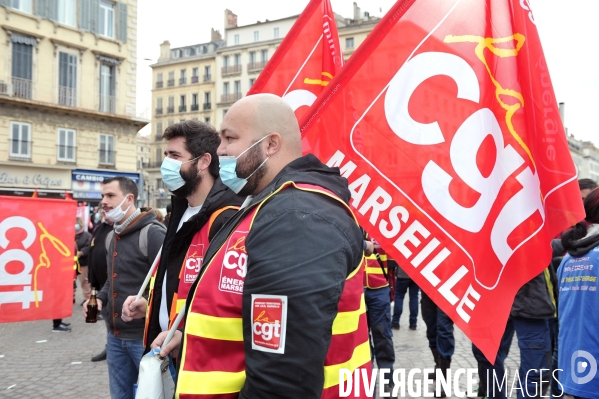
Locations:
column 256, row 66
column 207, row 78
column 182, row 81
column 171, row 82
column 194, row 79
column 159, row 111
column 170, row 110
column 107, row 104
column 182, row 108
column 229, row 98
column 66, row 153
column 67, row 96
column 21, row 88
column 207, row 106
column 195, row 107
column 20, row 150
column 231, row 69
column 106, row 157
column 159, row 84
column 149, row 165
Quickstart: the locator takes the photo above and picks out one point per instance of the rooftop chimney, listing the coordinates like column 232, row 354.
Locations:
column 230, row 19
column 215, row 35
column 357, row 14
column 562, row 112
column 165, row 50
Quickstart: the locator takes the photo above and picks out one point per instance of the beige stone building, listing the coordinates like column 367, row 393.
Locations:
column 183, row 87
column 67, row 95
column 248, row 49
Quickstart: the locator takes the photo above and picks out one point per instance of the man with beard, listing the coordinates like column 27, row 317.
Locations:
column 278, row 307
column 201, row 205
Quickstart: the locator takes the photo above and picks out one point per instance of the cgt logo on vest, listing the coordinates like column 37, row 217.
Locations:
column 193, row 263
column 233, row 270
column 269, row 323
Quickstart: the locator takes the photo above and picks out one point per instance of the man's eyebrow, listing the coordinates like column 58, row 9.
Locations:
column 172, row 152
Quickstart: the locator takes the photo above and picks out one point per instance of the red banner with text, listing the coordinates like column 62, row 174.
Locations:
column 36, row 258
column 446, row 126
column 306, row 61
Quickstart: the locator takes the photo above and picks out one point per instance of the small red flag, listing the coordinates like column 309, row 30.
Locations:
column 445, row 124
column 67, row 196
column 306, row 61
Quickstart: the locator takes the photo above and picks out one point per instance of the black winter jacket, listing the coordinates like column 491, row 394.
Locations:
column 534, row 299
column 127, row 269
column 176, row 244
column 97, row 255
column 302, row 245
column 83, row 242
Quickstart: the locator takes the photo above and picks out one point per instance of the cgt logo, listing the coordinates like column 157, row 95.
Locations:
column 580, row 367
column 269, row 323
column 193, row 263
column 234, row 267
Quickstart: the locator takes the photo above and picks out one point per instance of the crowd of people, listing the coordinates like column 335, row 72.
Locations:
column 280, row 286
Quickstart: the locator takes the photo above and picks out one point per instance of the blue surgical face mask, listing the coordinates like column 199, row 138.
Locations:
column 77, row 227
column 171, row 173
column 228, row 164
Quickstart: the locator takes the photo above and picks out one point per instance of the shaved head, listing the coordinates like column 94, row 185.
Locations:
column 266, row 113
column 263, row 132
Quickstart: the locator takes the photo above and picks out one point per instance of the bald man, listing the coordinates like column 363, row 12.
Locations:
column 278, row 307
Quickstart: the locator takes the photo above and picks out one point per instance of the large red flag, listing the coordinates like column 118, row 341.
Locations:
column 306, row 61
column 36, row 258
column 446, row 125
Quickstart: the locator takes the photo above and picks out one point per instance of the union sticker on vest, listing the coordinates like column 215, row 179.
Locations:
column 233, row 270
column 193, row 263
column 269, row 323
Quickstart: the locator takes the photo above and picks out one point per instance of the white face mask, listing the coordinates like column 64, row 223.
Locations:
column 115, row 215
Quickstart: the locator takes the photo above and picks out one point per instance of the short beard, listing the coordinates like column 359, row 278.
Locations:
column 253, row 160
column 192, row 180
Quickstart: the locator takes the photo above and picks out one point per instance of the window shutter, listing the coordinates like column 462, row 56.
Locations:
column 84, row 7
column 122, row 27
column 94, row 16
column 53, row 10
column 41, row 8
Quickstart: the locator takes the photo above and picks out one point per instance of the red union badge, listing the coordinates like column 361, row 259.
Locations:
column 269, row 323
column 233, row 269
column 193, row 263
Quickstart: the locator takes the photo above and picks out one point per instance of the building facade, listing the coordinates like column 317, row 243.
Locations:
column 183, row 88
column 586, row 158
column 67, row 96
column 202, row 81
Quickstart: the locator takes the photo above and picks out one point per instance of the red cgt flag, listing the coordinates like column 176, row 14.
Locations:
column 446, row 126
column 306, row 60
column 36, row 258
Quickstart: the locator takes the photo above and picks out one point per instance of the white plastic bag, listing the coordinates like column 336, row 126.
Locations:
column 156, row 379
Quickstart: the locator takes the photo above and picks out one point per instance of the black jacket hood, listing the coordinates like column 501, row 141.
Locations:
column 584, row 245
column 309, row 170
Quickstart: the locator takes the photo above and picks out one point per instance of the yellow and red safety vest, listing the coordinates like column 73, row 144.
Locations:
column 374, row 277
column 187, row 274
column 213, row 357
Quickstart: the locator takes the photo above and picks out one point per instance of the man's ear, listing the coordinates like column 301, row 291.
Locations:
column 274, row 143
column 204, row 162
